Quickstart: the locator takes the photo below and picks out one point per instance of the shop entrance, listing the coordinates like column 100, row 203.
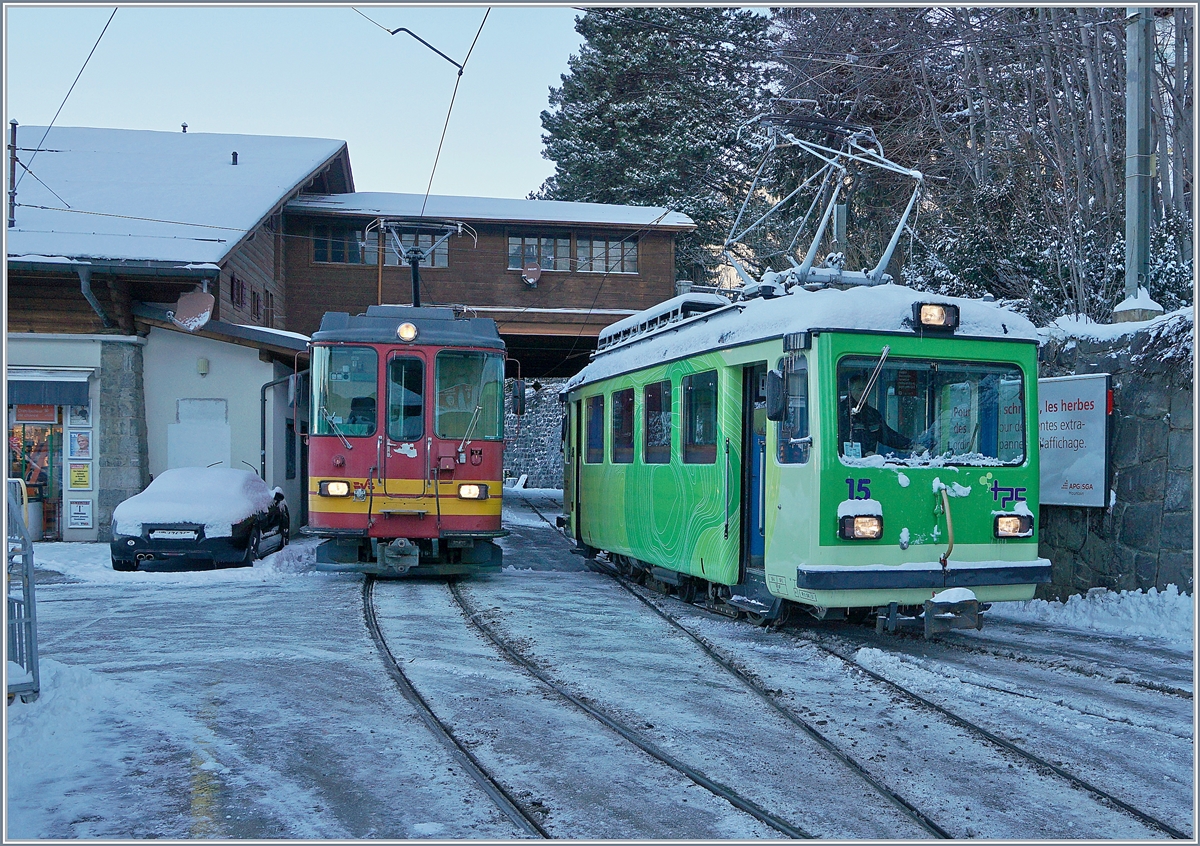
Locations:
column 36, row 456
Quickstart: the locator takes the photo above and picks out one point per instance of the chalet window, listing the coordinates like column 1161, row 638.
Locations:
column 700, row 418
column 237, row 292
column 547, row 252
column 255, row 304
column 370, row 250
column 594, row 453
column 658, row 423
column 602, row 254
column 439, row 257
column 622, row 427
column 268, row 308
column 336, row 244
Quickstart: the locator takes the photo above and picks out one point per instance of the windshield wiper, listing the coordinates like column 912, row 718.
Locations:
column 334, row 427
column 470, row 431
column 871, row 382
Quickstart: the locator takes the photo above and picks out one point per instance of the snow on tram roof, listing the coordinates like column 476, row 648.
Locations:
column 878, row 308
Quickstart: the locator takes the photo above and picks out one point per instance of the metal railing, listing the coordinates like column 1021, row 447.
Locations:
column 23, row 676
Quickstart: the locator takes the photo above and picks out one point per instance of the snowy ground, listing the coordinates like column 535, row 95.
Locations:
column 251, row 703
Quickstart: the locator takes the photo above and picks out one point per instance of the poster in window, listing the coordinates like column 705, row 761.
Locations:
column 79, row 514
column 79, row 416
column 79, row 476
column 79, row 444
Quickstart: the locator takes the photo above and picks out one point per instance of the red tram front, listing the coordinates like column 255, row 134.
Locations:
column 406, row 446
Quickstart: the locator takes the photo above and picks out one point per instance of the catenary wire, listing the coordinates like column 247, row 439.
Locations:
column 72, row 88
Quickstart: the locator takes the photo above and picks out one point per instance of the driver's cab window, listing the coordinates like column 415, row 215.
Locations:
column 406, row 398
column 795, row 444
column 346, row 390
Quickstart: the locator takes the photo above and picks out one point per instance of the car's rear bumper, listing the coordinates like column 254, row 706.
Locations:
column 149, row 554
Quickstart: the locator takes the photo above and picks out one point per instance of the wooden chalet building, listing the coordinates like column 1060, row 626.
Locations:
column 595, row 264
column 104, row 389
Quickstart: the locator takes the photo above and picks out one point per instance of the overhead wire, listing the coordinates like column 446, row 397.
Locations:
column 64, row 102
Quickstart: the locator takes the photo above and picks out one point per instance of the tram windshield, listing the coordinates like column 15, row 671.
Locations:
column 345, row 390
column 470, row 395
column 926, row 411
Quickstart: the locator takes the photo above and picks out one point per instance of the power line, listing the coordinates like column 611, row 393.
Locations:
column 453, row 95
column 64, row 102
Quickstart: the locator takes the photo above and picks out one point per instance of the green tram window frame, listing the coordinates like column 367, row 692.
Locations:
column 965, row 413
column 466, row 380
column 594, row 435
column 656, row 439
column 622, row 426
column 406, row 397
column 338, row 408
column 794, row 425
column 700, row 418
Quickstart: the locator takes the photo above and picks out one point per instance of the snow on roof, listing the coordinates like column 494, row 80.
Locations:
column 218, row 497
column 883, row 308
column 491, row 208
column 137, row 195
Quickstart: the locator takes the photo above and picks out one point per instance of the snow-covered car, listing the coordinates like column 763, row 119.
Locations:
column 202, row 516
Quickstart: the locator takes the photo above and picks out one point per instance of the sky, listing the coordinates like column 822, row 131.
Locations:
column 323, row 72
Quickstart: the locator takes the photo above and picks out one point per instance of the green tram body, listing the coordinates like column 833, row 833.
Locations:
column 696, row 519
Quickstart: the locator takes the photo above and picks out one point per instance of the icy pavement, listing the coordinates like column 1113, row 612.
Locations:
column 251, row 703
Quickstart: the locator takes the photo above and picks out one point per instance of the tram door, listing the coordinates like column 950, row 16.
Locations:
column 754, row 451
column 572, row 429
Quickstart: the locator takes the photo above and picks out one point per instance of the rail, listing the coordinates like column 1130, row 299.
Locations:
column 24, row 679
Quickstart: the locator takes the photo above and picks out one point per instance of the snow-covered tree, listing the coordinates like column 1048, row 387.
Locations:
column 650, row 115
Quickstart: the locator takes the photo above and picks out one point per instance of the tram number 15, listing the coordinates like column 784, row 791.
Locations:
column 859, row 488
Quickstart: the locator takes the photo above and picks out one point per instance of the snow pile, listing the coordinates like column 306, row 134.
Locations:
column 1140, row 300
column 218, row 497
column 1166, row 614
column 1082, row 326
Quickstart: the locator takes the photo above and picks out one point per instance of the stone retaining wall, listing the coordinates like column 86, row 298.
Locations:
column 122, row 460
column 1145, row 539
column 533, row 441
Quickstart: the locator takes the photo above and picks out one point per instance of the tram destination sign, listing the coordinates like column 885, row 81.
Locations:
column 1073, row 416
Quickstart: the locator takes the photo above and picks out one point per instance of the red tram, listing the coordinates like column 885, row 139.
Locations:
column 406, row 446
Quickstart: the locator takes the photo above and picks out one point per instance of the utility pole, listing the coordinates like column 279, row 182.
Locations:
column 12, row 174
column 1139, row 76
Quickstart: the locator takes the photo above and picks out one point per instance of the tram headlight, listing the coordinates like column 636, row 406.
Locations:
column 861, row 527
column 938, row 316
column 472, row 491
column 407, row 332
column 1014, row 525
column 333, row 488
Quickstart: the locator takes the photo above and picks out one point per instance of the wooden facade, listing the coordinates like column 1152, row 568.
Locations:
column 549, row 328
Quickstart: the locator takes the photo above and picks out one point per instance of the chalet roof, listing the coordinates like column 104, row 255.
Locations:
column 492, row 209
column 138, row 195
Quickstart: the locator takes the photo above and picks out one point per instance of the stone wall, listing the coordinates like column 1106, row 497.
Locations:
column 122, row 461
column 533, row 441
column 1145, row 539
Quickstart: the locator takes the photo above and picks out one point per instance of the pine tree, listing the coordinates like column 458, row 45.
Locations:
column 649, row 115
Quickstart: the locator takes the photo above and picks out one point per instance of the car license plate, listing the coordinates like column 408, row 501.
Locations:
column 172, row 534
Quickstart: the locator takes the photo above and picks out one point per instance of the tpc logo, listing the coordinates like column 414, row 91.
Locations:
column 1007, row 495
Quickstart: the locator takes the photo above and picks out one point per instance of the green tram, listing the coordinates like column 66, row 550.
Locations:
column 845, row 451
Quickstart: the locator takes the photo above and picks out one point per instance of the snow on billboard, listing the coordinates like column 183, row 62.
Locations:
column 1073, row 440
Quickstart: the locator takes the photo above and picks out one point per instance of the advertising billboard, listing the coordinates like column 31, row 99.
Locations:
column 1073, row 416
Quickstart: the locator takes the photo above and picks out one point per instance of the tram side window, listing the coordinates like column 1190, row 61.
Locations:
column 794, row 426
column 406, row 398
column 344, row 390
column 622, row 423
column 658, row 423
column 700, row 418
column 594, row 454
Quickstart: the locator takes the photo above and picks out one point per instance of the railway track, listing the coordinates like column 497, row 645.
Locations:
column 626, row 731
column 974, row 728
column 1038, row 763
column 512, row 809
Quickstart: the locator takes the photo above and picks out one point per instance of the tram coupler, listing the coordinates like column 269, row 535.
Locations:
column 956, row 608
